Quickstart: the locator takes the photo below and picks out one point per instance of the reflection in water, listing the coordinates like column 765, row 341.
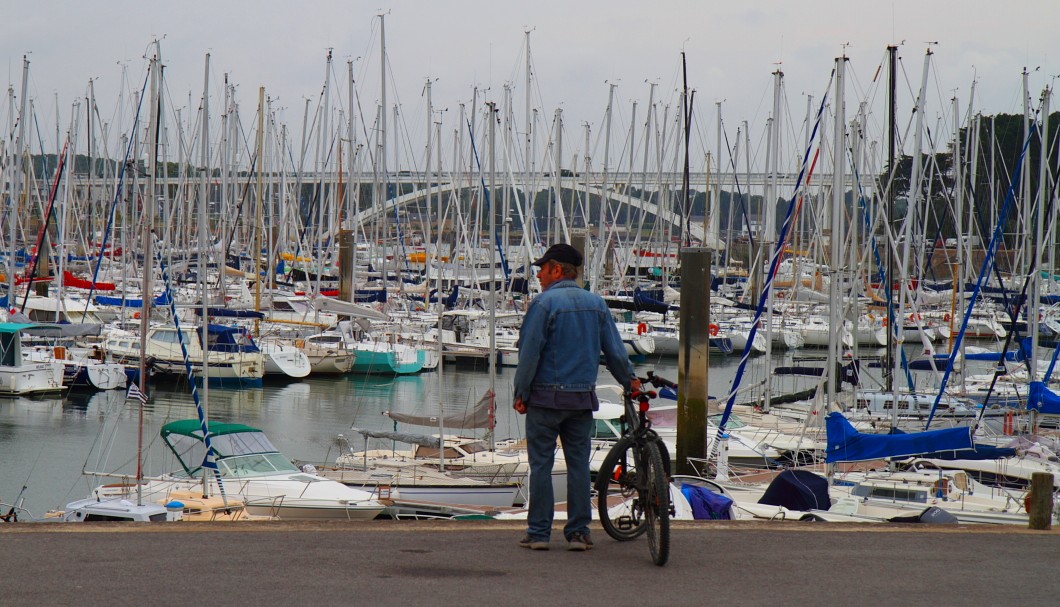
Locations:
column 45, row 443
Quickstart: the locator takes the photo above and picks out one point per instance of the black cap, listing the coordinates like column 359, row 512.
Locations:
column 563, row 253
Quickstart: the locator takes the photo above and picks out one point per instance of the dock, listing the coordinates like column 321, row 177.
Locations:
column 478, row 562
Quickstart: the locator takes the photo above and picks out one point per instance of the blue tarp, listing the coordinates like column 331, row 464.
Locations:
column 798, row 490
column 1043, row 399
column 707, row 505
column 845, row 444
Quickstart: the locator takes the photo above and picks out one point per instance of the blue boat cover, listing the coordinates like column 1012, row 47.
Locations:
column 707, row 505
column 228, row 339
column 102, row 300
column 1043, row 399
column 798, row 490
column 845, row 444
column 230, row 313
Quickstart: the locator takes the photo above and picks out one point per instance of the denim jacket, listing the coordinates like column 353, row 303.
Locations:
column 563, row 333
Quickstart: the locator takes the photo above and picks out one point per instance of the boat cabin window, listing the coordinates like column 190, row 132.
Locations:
column 47, row 316
column 106, row 518
column 475, row 447
column 282, row 306
column 432, row 453
column 891, row 493
column 603, row 430
column 257, row 464
column 169, row 337
column 9, row 350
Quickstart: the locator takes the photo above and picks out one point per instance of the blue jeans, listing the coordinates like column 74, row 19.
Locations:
column 573, row 427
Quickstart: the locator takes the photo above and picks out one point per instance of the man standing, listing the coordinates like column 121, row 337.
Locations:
column 563, row 333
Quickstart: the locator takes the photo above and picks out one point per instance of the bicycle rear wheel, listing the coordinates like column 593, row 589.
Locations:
column 618, row 501
column 656, row 504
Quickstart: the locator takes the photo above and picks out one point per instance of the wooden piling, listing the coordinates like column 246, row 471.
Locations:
column 1040, row 501
column 692, row 358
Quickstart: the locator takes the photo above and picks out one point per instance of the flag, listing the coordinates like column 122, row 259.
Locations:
column 134, row 392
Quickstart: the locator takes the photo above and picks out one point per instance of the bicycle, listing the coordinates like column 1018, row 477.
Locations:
column 636, row 471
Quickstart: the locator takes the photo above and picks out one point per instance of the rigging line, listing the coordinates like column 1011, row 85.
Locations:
column 1021, row 301
column 739, row 191
column 44, row 228
column 988, row 263
column 207, row 461
column 885, row 281
column 774, row 263
column 486, row 197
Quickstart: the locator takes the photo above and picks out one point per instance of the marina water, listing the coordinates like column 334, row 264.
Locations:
column 46, row 442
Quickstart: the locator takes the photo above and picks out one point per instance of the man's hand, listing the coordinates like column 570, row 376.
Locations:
column 519, row 405
column 635, row 386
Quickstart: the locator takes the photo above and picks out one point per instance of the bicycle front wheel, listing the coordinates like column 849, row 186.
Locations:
column 618, row 500
column 656, row 504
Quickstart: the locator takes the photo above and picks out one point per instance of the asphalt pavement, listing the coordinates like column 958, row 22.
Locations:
column 466, row 563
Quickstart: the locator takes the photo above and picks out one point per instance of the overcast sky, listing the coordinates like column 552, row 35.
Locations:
column 577, row 47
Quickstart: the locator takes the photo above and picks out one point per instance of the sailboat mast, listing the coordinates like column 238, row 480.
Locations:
column 147, row 244
column 16, row 193
column 492, row 119
column 381, row 142
column 835, row 238
column 892, row 81
column 686, row 111
column 204, row 241
column 528, row 225
column 769, row 206
column 600, row 256
column 1031, row 308
column 909, row 220
column 562, row 234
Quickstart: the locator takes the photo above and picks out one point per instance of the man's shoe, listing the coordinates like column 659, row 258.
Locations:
column 531, row 543
column 579, row 541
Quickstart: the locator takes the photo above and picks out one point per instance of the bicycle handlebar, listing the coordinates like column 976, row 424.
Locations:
column 658, row 382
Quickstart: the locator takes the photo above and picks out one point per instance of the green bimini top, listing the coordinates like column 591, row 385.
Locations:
column 192, row 428
column 15, row 327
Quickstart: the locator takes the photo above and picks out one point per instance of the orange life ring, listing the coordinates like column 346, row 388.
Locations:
column 713, row 329
column 914, row 317
column 136, row 315
column 642, row 328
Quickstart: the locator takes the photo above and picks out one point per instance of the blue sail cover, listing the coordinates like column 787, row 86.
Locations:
column 1043, row 399
column 161, row 300
column 845, row 444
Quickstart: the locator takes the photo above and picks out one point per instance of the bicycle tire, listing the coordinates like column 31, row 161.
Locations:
column 656, row 504
column 617, row 478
